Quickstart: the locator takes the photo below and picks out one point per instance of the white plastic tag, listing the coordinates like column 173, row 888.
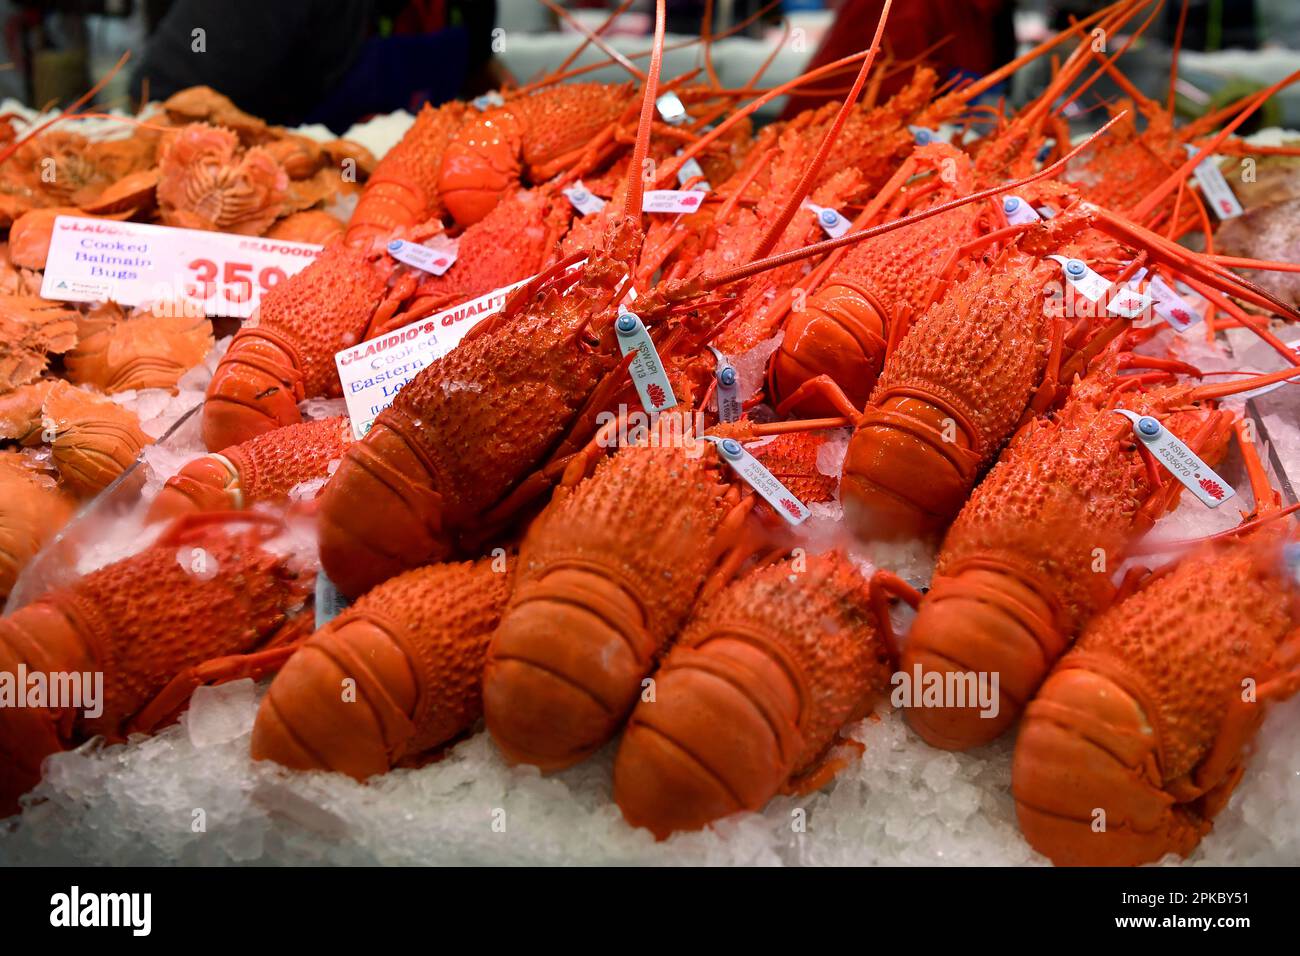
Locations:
column 730, row 407
column 1128, row 303
column 672, row 200
column 671, row 109
column 1018, row 212
column 133, row 264
column 691, row 169
column 832, row 223
column 647, row 371
column 373, row 372
column 329, row 602
column 1172, row 307
column 436, row 259
column 488, row 100
column 1214, row 187
column 1183, row 463
column 586, row 202
column 923, row 135
column 752, row 472
column 1081, row 276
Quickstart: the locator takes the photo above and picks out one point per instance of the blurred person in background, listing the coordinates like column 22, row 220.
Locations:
column 321, row 61
column 963, row 37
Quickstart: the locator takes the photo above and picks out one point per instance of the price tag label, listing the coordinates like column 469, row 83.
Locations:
column 1018, row 212
column 437, row 257
column 766, row 484
column 1214, row 187
column 1181, row 462
column 584, row 200
column 133, row 264
column 672, row 200
column 1081, row 276
column 647, row 370
column 373, row 372
column 832, row 223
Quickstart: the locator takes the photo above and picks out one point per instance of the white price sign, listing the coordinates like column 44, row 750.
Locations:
column 132, row 263
column 373, row 372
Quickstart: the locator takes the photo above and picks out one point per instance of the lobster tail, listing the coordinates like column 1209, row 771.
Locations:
column 209, row 483
column 395, row 675
column 978, row 627
column 565, row 668
column 386, row 483
column 908, row 470
column 721, row 736
column 1087, row 781
column 751, row 699
column 257, row 387
column 841, row 334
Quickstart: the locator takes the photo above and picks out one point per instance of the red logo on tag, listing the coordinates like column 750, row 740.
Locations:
column 1180, row 315
column 791, row 507
column 656, row 394
column 1225, row 205
column 439, row 262
column 690, row 200
column 1212, row 488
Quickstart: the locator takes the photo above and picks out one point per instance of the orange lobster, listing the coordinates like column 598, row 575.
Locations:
column 200, row 605
column 1022, row 568
column 262, row 469
column 750, row 700
column 393, row 677
column 608, row 572
column 1140, row 734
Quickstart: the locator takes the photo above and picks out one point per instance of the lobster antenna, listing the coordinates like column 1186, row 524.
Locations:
column 706, row 37
column 558, row 77
column 774, row 231
column 712, row 281
column 586, row 40
column 670, row 168
column 1178, row 49
column 71, row 111
column 594, row 37
column 1143, row 209
column 1245, row 384
column 632, row 205
column 1107, row 63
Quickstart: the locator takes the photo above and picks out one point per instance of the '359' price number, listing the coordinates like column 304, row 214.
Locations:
column 235, row 281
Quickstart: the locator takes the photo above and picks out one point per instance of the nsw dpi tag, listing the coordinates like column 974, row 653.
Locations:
column 1181, row 462
column 832, row 223
column 586, row 202
column 728, row 388
column 1080, row 275
column 329, row 602
column 1018, row 212
column 427, row 258
column 647, row 371
column 752, row 472
column 1214, row 187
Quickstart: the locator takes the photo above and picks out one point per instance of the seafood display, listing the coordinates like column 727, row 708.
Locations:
column 707, row 455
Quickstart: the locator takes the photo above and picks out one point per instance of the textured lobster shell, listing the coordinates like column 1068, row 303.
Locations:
column 608, row 573
column 1128, row 718
column 414, row 648
column 751, row 696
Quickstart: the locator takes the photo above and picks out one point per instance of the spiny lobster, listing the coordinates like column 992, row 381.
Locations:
column 262, row 469
column 750, row 699
column 1021, row 569
column 200, row 605
column 393, row 677
column 1140, row 734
